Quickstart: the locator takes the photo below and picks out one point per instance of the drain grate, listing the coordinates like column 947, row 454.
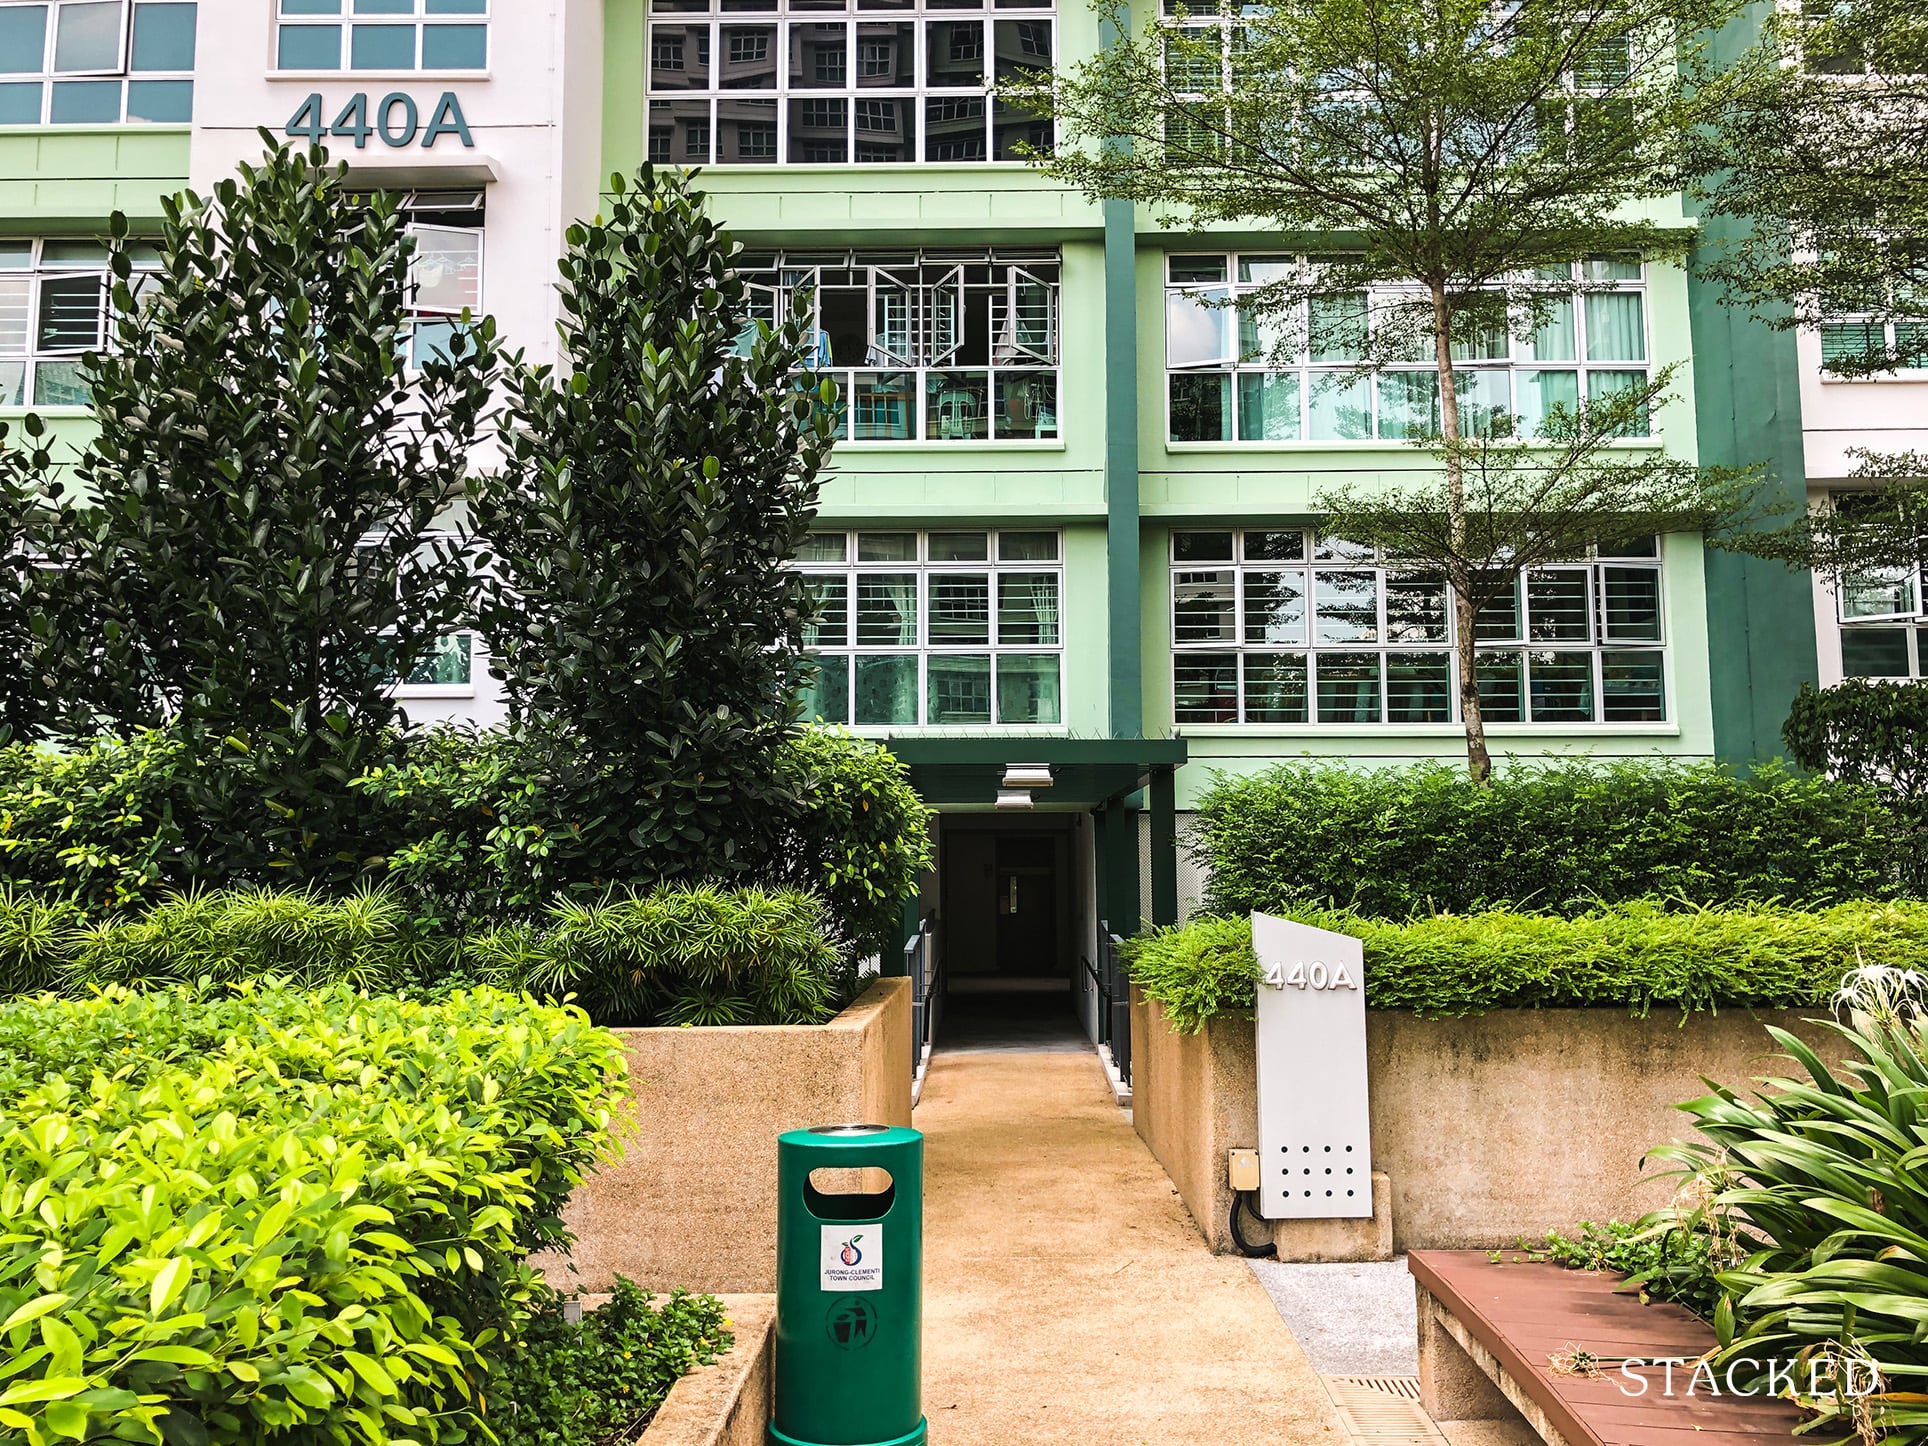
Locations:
column 1382, row 1411
column 1405, row 1387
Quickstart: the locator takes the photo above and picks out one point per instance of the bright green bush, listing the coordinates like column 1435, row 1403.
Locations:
column 678, row 954
column 597, row 1380
column 230, row 1215
column 1658, row 1256
column 1637, row 956
column 1810, row 1196
column 1559, row 837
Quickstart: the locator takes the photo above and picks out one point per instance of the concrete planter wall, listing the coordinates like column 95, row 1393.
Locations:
column 693, row 1201
column 727, row 1403
column 1505, row 1124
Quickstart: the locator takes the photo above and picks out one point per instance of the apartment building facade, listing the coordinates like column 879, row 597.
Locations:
column 1067, row 554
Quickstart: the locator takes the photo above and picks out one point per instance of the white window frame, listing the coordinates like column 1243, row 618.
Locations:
column 31, row 356
column 418, row 18
column 1347, row 559
column 47, row 77
column 926, row 569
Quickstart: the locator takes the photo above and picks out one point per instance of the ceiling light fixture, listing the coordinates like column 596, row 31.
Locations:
column 1026, row 775
column 1014, row 798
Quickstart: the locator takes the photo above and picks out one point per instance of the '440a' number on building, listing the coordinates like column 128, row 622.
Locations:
column 1314, row 976
column 395, row 118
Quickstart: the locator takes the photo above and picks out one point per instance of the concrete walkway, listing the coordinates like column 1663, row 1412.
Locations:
column 1067, row 1296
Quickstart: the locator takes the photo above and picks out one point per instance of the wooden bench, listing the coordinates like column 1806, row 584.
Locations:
column 1488, row 1333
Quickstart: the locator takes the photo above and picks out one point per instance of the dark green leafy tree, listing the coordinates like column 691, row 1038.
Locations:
column 28, row 691
column 649, row 499
column 1458, row 155
column 1826, row 164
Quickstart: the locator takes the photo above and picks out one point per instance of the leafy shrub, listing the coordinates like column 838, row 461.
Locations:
column 1864, row 730
column 1810, row 1197
column 679, row 954
column 1561, row 837
column 233, row 1214
column 1635, row 955
column 599, row 1379
column 1660, row 1258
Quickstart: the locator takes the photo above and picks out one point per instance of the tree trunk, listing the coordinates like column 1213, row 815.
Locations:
column 1479, row 763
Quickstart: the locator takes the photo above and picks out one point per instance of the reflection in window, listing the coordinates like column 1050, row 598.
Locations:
column 97, row 62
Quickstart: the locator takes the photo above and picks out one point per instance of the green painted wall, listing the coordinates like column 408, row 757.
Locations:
column 67, row 181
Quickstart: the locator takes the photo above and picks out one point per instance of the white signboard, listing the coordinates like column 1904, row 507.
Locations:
column 852, row 1258
column 1315, row 1141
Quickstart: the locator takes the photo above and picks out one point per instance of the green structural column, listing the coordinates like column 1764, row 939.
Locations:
column 1120, row 867
column 1164, row 846
column 850, row 1291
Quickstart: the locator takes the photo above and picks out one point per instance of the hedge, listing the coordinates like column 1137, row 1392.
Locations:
column 467, row 828
column 1638, row 956
column 1559, row 837
column 678, row 954
column 231, row 1215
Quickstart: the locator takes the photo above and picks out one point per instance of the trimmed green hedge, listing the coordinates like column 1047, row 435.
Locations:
column 1636, row 956
column 1557, row 837
column 679, row 954
column 235, row 1215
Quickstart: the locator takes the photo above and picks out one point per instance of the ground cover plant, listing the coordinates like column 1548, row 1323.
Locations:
column 1639, row 956
column 676, row 954
column 1809, row 1195
column 1658, row 1256
column 599, row 1379
column 228, row 1214
column 1560, row 836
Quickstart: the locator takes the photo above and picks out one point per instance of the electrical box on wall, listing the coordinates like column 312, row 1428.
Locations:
column 1243, row 1170
column 1315, row 1140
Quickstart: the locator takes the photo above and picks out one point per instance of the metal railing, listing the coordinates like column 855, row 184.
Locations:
column 926, row 989
column 1114, row 1000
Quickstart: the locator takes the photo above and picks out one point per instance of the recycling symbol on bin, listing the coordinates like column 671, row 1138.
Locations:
column 852, row 1323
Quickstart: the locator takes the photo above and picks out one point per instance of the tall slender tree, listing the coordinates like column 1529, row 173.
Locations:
column 1450, row 161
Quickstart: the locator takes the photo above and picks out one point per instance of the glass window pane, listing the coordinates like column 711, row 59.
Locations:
column 13, row 383
column 819, row 56
column 884, row 407
column 1416, row 610
column 1560, row 687
column 446, row 269
column 1195, row 268
column 455, row 47
column 1275, row 688
column 1502, row 690
column 1202, row 546
column 1419, row 688
column 1348, row 609
column 954, row 128
column 960, row 604
column 1273, row 546
column 1501, row 620
column 886, row 547
column 1202, row 607
column 1554, row 337
column 955, row 54
column 1614, row 332
column 1336, row 327
column 70, row 313
column 679, row 57
column 1201, row 407
column 1027, row 406
column 20, row 103
column 1198, row 327
column 1408, row 404
column 1268, row 407
column 59, row 384
column 826, row 698
column 1027, row 609
column 1275, row 610
column 960, row 547
column 160, row 102
column 1023, row 48
column 85, row 102
column 824, row 547
column 1027, row 547
column 746, row 131
column 1632, row 687
column 748, row 60
column 1027, row 688
column 14, row 294
column 163, row 37
column 1604, row 385
column 450, row 664
column 1611, row 268
column 309, row 47
column 23, row 40
column 1556, row 607
column 1874, row 652
column 830, row 595
column 1205, row 688
column 1339, row 408
column 1330, row 547
column 381, row 47
column 311, row 7
column 87, row 37
column 1882, row 594
column 1485, row 402
column 957, row 405
column 959, row 688
column 1540, row 393
column 1348, row 687
column 887, row 688
column 1264, row 335
column 1631, row 603
column 887, row 609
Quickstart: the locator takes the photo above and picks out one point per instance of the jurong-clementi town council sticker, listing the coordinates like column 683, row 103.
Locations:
column 852, row 1257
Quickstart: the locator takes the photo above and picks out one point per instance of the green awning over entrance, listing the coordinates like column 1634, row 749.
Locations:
column 1086, row 773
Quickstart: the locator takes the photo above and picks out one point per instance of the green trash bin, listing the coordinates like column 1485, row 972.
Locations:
column 850, row 1291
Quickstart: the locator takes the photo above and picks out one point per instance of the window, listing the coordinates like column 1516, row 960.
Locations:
column 383, row 35
column 935, row 627
column 96, row 62
column 809, row 82
column 1227, row 380
column 1289, row 627
column 1883, row 618
column 445, row 273
column 1849, row 345
column 929, row 346
column 449, row 669
column 54, row 309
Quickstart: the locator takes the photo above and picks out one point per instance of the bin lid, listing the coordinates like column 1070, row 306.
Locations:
column 835, row 1138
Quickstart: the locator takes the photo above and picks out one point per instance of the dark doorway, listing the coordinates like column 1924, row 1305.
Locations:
column 1027, row 907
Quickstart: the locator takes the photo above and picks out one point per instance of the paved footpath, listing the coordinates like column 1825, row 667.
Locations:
column 1067, row 1295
